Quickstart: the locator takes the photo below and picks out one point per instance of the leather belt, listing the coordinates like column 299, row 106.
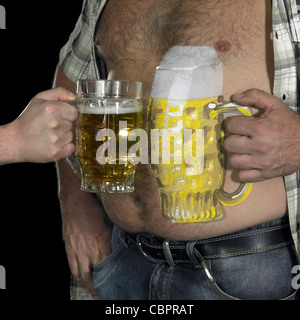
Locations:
column 160, row 250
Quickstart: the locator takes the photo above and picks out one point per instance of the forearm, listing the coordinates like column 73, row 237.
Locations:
column 8, row 150
column 86, row 235
column 75, row 203
column 42, row 132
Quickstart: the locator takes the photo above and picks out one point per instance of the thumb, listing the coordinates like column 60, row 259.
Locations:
column 257, row 99
column 57, row 94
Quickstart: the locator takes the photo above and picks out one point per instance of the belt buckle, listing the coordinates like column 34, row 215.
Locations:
column 140, row 246
column 167, row 253
column 166, row 250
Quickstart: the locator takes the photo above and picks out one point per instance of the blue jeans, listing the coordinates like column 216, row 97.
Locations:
column 128, row 275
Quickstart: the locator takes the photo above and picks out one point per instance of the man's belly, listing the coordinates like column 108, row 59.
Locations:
column 244, row 53
column 140, row 211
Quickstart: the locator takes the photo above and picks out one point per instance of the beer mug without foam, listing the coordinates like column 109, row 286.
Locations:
column 184, row 124
column 108, row 110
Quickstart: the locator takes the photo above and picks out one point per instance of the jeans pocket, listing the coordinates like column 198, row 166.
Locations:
column 260, row 276
column 100, row 265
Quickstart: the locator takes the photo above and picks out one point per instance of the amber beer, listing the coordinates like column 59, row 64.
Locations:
column 108, row 111
column 99, row 131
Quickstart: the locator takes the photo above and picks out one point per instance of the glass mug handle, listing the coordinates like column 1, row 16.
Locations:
column 222, row 107
column 71, row 161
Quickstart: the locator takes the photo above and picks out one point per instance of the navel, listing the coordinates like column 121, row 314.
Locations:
column 223, row 46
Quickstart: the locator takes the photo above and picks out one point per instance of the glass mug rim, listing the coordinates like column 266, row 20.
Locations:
column 104, row 88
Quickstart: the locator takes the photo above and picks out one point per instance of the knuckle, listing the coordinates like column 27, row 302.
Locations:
column 53, row 139
column 60, row 89
column 254, row 92
column 268, row 164
column 55, row 154
column 54, row 124
column 51, row 108
column 261, row 129
column 258, row 127
column 262, row 148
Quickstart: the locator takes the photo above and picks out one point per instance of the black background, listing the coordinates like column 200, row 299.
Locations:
column 31, row 246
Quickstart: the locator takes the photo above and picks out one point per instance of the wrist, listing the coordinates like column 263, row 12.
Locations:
column 9, row 145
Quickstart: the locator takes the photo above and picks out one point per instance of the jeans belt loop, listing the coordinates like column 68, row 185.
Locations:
column 140, row 246
column 198, row 259
column 190, row 250
column 167, row 253
column 205, row 267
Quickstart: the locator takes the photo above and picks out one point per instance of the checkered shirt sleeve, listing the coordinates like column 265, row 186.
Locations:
column 286, row 36
column 78, row 58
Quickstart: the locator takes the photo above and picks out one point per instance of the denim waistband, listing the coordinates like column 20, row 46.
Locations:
column 266, row 236
column 122, row 234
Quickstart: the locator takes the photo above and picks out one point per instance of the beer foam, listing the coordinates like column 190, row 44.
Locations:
column 109, row 106
column 189, row 57
column 188, row 72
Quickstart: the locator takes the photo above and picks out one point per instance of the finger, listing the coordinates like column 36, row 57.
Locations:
column 86, row 278
column 60, row 138
column 88, row 282
column 65, row 151
column 58, row 126
column 78, row 274
column 74, row 267
column 243, row 162
column 239, row 125
column 67, row 112
column 77, row 267
column 238, row 144
column 257, row 99
column 67, row 138
column 253, row 175
column 57, row 94
column 60, row 110
column 66, row 126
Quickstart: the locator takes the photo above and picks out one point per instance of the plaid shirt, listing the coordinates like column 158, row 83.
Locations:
column 286, row 37
column 78, row 59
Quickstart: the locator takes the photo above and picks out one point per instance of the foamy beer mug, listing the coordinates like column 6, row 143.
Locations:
column 108, row 111
column 184, row 125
